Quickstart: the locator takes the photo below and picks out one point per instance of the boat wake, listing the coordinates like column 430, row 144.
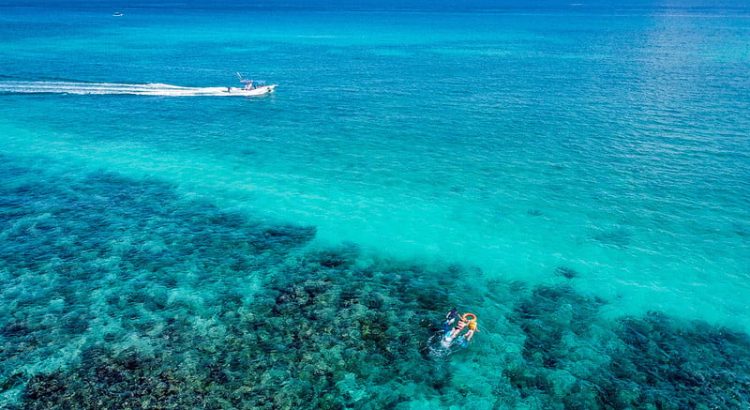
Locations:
column 79, row 88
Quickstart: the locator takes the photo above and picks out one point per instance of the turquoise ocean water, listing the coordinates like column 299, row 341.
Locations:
column 577, row 175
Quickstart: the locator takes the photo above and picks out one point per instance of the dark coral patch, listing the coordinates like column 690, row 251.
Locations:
column 566, row 272
column 534, row 212
column 673, row 364
column 649, row 362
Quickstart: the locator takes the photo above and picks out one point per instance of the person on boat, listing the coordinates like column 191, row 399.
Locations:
column 450, row 318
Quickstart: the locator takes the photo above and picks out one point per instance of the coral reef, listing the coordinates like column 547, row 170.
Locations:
column 676, row 365
column 322, row 335
column 119, row 293
column 574, row 359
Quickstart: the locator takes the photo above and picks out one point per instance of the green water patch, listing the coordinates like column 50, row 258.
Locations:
column 121, row 293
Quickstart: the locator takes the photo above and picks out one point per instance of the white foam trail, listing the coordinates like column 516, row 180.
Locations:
column 151, row 89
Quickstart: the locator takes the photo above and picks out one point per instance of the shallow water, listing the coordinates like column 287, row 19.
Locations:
column 577, row 178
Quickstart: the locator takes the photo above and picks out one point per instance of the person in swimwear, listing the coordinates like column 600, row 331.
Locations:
column 459, row 327
column 448, row 339
column 472, row 329
column 450, row 319
column 466, row 320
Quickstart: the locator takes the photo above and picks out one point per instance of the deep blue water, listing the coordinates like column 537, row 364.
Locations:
column 574, row 174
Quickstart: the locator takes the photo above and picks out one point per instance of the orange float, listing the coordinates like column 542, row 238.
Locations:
column 469, row 317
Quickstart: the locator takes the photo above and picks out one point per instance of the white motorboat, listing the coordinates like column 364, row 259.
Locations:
column 251, row 88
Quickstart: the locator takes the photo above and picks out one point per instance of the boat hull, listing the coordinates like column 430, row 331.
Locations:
column 262, row 90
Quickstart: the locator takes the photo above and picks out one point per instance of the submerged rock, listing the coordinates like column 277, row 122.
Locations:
column 566, row 272
column 534, row 212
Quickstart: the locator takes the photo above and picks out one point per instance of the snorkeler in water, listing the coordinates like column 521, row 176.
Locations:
column 449, row 336
column 466, row 320
column 472, row 329
column 450, row 319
